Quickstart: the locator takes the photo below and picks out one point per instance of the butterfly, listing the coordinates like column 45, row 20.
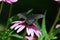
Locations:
column 30, row 18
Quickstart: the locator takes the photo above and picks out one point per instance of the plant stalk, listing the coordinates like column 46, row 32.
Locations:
column 1, row 7
column 10, row 10
column 52, row 28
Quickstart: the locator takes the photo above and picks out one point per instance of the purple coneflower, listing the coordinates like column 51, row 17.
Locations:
column 9, row 1
column 57, row 1
column 31, row 29
column 58, row 25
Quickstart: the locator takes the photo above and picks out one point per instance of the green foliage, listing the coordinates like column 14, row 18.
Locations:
column 4, row 34
column 56, row 31
column 16, row 35
column 13, row 18
column 43, row 29
column 10, row 33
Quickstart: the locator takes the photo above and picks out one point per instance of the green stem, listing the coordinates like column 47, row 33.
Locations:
column 9, row 38
column 51, row 30
column 24, row 35
column 1, row 7
column 10, row 10
column 8, row 22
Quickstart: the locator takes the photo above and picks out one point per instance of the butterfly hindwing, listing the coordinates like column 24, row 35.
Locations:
column 38, row 16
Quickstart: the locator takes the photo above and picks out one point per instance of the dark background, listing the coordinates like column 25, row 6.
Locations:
column 39, row 6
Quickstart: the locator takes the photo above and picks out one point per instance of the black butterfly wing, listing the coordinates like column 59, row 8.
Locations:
column 22, row 15
column 38, row 16
column 30, row 18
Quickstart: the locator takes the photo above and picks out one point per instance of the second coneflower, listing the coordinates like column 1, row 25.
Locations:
column 9, row 1
column 58, row 26
column 57, row 1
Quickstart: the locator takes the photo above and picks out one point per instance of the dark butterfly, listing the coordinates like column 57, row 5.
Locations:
column 31, row 18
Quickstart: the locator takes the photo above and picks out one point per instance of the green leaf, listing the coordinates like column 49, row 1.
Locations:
column 56, row 31
column 13, row 18
column 44, row 32
column 41, row 38
column 29, row 11
column 11, row 32
column 55, row 37
column 17, row 36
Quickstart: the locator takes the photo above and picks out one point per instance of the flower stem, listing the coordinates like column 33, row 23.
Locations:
column 10, row 10
column 24, row 35
column 1, row 7
column 56, row 20
column 9, row 16
column 8, row 39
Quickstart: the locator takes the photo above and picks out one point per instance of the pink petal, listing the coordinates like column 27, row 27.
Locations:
column 31, row 32
column 29, row 37
column 18, row 22
column 33, row 28
column 20, row 29
column 13, row 0
column 37, row 33
column 58, row 25
column 8, row 1
column 57, row 0
column 0, row 0
column 28, row 32
column 13, row 26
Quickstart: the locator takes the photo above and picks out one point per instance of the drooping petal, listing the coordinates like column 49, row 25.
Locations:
column 13, row 0
column 31, row 32
column 18, row 22
column 38, row 33
column 28, row 32
column 20, row 29
column 33, row 29
column 0, row 0
column 8, row 1
column 57, row 1
column 13, row 26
